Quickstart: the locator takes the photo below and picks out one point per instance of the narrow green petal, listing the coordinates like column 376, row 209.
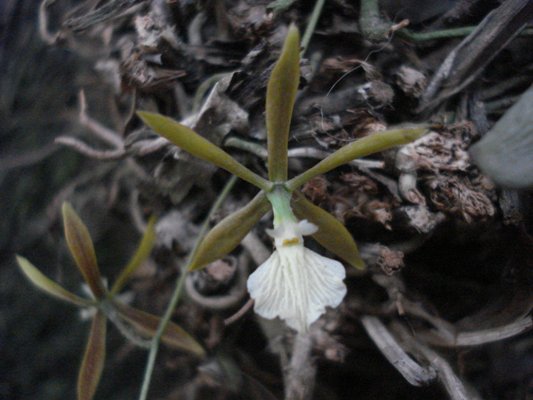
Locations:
column 229, row 232
column 331, row 233
column 143, row 251
column 81, row 246
column 93, row 360
column 47, row 285
column 281, row 94
column 373, row 143
column 147, row 324
column 191, row 142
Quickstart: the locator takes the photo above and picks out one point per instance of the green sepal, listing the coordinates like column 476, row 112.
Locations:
column 93, row 359
column 331, row 234
column 147, row 325
column 373, row 143
column 47, row 285
column 191, row 142
column 143, row 251
column 81, row 247
column 280, row 97
column 229, row 232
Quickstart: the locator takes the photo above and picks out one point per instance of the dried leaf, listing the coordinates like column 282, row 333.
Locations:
column 143, row 251
column 147, row 324
column 281, row 94
column 331, row 234
column 229, row 232
column 47, row 285
column 373, row 143
column 191, row 142
column 81, row 246
column 93, row 360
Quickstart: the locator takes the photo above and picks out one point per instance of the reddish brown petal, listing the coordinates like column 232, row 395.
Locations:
column 93, row 360
column 81, row 246
column 147, row 324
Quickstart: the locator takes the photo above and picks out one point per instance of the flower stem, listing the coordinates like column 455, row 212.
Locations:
column 280, row 198
column 154, row 347
column 311, row 25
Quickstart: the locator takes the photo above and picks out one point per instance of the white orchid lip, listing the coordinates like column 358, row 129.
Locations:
column 295, row 283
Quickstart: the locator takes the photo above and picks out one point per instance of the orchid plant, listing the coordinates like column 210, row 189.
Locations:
column 104, row 304
column 294, row 283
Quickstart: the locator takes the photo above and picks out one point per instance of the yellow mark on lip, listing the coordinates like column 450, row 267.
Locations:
column 290, row 242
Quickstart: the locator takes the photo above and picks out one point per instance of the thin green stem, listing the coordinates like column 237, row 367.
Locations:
column 154, row 347
column 311, row 25
column 446, row 33
column 440, row 34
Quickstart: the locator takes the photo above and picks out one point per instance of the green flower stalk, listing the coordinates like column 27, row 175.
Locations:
column 133, row 323
column 295, row 283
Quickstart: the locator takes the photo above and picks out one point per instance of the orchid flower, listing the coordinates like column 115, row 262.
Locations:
column 294, row 283
column 103, row 304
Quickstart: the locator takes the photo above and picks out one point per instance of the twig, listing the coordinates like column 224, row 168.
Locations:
column 107, row 135
column 154, row 347
column 414, row 373
column 86, row 150
column 452, row 383
column 477, row 338
column 239, row 314
column 312, row 152
column 307, row 152
column 302, row 369
column 246, row 145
